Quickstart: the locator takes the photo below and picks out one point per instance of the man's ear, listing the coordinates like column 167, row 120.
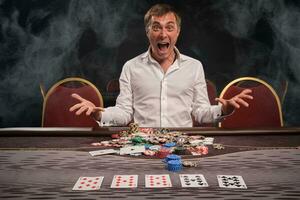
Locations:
column 147, row 31
column 178, row 32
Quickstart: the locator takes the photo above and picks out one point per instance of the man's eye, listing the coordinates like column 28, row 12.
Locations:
column 170, row 28
column 155, row 28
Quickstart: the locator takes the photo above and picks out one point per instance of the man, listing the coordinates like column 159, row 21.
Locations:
column 162, row 87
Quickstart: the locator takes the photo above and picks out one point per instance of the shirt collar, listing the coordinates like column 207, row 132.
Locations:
column 180, row 57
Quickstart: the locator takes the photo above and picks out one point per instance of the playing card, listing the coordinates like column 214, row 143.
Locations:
column 124, row 181
column 132, row 150
column 157, row 181
column 103, row 152
column 208, row 141
column 192, row 180
column 231, row 181
column 88, row 183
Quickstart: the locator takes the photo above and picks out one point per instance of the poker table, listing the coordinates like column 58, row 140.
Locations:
column 45, row 163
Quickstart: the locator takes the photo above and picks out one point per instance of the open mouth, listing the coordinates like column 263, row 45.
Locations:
column 163, row 46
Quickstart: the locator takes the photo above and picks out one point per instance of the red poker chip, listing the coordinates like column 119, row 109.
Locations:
column 162, row 153
column 115, row 136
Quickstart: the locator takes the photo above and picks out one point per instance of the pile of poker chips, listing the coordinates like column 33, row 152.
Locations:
column 173, row 162
column 158, row 142
column 199, row 150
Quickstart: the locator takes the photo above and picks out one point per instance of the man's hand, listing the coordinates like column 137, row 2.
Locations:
column 235, row 102
column 86, row 106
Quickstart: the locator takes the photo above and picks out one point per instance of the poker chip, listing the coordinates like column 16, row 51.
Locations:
column 198, row 150
column 155, row 147
column 164, row 130
column 180, row 150
column 189, row 164
column 172, row 157
column 96, row 144
column 137, row 140
column 147, row 146
column 115, row 136
column 170, row 144
column 174, row 165
column 146, row 130
column 218, row 146
column 149, row 153
column 163, row 152
column 105, row 143
column 181, row 141
column 204, row 150
column 133, row 128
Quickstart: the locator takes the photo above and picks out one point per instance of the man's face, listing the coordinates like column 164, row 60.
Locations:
column 162, row 34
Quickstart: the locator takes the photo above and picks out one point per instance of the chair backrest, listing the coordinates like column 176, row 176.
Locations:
column 211, row 91
column 58, row 101
column 264, row 109
column 113, row 86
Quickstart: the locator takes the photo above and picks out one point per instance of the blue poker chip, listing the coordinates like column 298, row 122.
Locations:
column 174, row 165
column 170, row 144
column 148, row 146
column 172, row 157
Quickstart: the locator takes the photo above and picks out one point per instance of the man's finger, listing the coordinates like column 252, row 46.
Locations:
column 75, row 107
column 81, row 110
column 89, row 111
column 241, row 101
column 247, row 96
column 76, row 96
column 234, row 104
column 246, row 91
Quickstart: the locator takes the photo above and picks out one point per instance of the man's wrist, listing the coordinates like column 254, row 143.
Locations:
column 97, row 115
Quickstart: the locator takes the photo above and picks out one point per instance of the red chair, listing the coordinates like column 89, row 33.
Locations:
column 264, row 109
column 113, row 86
column 58, row 101
column 211, row 91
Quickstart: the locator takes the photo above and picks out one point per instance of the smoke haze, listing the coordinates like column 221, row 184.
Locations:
column 43, row 42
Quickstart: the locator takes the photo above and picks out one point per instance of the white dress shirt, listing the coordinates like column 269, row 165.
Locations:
column 152, row 98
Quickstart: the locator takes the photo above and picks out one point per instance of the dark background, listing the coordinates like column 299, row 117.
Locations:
column 46, row 41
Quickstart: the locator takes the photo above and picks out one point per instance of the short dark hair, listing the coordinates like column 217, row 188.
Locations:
column 160, row 10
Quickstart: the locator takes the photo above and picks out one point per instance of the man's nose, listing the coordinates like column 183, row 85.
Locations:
column 163, row 33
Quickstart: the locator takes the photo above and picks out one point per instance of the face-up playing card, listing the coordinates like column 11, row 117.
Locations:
column 88, row 183
column 103, row 152
column 124, row 181
column 192, row 180
column 132, row 150
column 157, row 181
column 231, row 181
